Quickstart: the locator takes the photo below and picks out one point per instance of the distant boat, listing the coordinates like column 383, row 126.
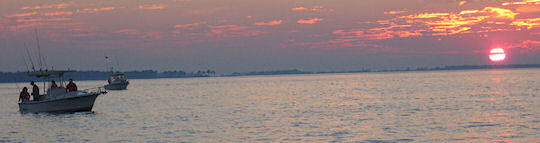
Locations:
column 57, row 99
column 117, row 81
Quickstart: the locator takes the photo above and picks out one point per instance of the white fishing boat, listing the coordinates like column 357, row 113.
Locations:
column 58, row 99
column 117, row 81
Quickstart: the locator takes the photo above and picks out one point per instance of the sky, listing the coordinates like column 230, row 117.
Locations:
column 262, row 35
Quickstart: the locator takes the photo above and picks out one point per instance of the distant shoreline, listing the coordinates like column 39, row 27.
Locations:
column 7, row 77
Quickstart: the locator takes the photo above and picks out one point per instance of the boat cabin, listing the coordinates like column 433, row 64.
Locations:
column 117, row 78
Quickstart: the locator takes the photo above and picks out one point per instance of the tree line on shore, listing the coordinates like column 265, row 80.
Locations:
column 102, row 75
column 149, row 74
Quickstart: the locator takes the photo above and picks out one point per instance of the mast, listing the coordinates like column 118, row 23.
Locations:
column 39, row 50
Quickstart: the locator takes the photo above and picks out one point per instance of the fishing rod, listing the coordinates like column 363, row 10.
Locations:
column 18, row 88
column 30, row 57
column 26, row 64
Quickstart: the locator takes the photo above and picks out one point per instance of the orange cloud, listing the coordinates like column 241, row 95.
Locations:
column 394, row 12
column 527, row 46
column 57, row 13
column 529, row 23
column 477, row 21
column 528, row 9
column 299, row 9
column 55, row 6
column 22, row 14
column 461, row 3
column 426, row 15
column 451, row 23
column 94, row 10
column 500, row 12
column 522, row 2
column 309, row 21
column 270, row 23
column 152, row 7
column 315, row 8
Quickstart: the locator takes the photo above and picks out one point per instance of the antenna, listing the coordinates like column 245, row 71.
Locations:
column 28, row 54
column 107, row 63
column 117, row 63
column 39, row 50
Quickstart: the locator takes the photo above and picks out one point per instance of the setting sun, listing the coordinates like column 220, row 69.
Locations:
column 497, row 55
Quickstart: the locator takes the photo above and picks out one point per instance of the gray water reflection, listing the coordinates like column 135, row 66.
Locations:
column 444, row 106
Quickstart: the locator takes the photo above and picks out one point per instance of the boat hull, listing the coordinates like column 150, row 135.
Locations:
column 72, row 104
column 117, row 86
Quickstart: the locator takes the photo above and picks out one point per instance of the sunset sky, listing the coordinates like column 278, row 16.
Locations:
column 261, row 35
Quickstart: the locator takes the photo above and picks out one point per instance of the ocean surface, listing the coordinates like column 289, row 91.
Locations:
column 435, row 106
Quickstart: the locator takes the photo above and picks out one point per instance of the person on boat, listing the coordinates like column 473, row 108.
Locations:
column 24, row 96
column 35, row 91
column 71, row 86
column 53, row 84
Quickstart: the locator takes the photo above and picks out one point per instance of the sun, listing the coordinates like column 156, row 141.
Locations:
column 497, row 55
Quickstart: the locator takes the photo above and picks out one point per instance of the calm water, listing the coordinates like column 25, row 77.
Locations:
column 443, row 106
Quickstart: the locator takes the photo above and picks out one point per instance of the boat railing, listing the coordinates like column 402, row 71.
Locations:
column 96, row 90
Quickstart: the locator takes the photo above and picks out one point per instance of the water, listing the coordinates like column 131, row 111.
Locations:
column 441, row 106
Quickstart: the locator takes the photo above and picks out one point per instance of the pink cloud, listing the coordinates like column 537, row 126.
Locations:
column 189, row 26
column 43, row 19
column 153, row 36
column 309, row 21
column 25, row 25
column 26, row 14
column 152, row 7
column 52, row 6
column 248, row 33
column 57, row 13
column 270, row 23
column 126, row 31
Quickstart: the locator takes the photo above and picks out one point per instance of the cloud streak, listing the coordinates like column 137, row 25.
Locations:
column 309, row 21
column 52, row 6
column 152, row 7
column 94, row 10
column 26, row 14
column 57, row 13
column 270, row 23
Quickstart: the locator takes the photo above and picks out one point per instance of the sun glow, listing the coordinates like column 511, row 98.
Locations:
column 497, row 55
